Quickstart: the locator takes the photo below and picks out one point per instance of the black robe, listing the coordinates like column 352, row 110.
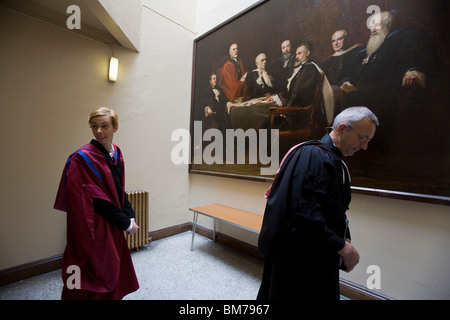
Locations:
column 305, row 224
column 220, row 119
column 303, row 86
column 255, row 90
column 334, row 65
column 118, row 217
column 379, row 76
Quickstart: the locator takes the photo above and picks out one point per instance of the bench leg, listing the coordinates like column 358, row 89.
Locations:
column 194, row 225
column 214, row 231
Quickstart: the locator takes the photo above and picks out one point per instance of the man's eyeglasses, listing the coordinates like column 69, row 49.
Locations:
column 362, row 139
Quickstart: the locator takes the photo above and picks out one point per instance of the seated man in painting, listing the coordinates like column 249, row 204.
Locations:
column 343, row 54
column 394, row 72
column 391, row 60
column 301, row 86
column 259, row 82
column 303, row 81
column 216, row 107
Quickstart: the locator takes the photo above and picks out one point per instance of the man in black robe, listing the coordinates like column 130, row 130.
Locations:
column 394, row 64
column 305, row 238
column 343, row 55
column 393, row 74
column 304, row 80
column 216, row 112
column 301, row 88
column 259, row 81
column 282, row 66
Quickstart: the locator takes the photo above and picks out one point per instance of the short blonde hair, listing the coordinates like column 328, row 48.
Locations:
column 103, row 111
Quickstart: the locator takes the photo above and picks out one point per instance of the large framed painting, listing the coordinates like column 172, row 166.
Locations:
column 277, row 74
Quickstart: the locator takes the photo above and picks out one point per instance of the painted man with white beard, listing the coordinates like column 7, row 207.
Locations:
column 391, row 60
column 393, row 75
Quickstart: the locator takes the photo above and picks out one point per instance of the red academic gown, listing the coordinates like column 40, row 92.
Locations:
column 94, row 245
column 230, row 82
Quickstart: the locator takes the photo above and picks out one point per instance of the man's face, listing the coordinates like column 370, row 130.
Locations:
column 338, row 41
column 213, row 80
column 377, row 36
column 356, row 137
column 103, row 130
column 286, row 47
column 261, row 62
column 301, row 55
column 374, row 23
column 233, row 51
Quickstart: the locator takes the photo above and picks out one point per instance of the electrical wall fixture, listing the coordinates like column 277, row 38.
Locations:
column 113, row 69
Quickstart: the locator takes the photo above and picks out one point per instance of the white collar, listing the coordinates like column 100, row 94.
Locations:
column 340, row 53
column 111, row 151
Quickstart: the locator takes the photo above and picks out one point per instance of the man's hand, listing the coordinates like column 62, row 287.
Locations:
column 412, row 78
column 350, row 256
column 134, row 227
column 348, row 87
column 243, row 77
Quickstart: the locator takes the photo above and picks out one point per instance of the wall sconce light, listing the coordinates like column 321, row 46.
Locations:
column 113, row 69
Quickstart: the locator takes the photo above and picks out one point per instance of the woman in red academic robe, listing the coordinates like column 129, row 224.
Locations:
column 91, row 191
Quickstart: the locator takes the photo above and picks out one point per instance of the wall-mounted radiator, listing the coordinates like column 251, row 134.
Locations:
column 139, row 202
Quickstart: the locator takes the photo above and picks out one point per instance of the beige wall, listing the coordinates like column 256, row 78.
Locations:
column 51, row 79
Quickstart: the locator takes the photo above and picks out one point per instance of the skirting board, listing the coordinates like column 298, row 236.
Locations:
column 348, row 289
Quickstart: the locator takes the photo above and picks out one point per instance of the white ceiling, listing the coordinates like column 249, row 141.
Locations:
column 55, row 12
column 61, row 6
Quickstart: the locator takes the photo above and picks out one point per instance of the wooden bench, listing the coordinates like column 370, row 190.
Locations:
column 253, row 222
column 240, row 218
